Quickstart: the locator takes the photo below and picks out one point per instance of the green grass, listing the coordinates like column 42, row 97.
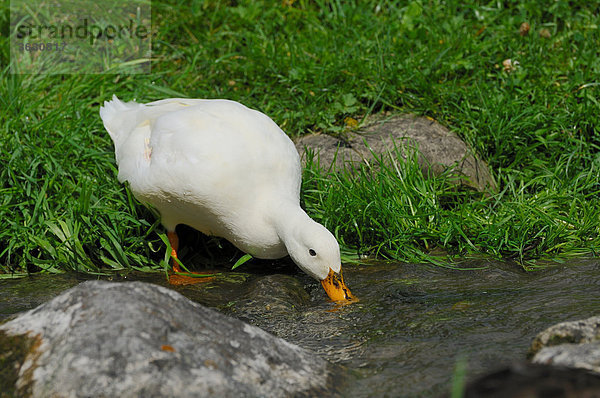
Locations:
column 392, row 210
column 310, row 65
column 459, row 378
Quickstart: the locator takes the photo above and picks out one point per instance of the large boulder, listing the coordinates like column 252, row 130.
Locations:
column 141, row 340
column 573, row 344
column 439, row 149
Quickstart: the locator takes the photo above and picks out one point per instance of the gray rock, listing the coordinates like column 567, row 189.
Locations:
column 141, row 340
column 574, row 332
column 439, row 148
column 580, row 356
column 572, row 344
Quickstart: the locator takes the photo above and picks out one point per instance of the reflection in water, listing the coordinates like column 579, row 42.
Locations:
column 411, row 325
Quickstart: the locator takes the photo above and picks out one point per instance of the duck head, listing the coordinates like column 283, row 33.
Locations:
column 316, row 251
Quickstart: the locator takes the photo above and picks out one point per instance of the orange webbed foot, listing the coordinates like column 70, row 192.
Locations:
column 179, row 276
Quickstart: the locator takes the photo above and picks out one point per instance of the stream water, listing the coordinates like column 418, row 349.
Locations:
column 411, row 326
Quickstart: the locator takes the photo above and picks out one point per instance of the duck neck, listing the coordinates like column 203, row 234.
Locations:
column 289, row 218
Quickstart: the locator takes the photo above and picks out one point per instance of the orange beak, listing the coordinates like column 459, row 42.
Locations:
column 335, row 288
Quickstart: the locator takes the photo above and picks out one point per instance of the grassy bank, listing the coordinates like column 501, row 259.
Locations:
column 309, row 65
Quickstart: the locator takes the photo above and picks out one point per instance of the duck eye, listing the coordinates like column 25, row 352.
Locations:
column 312, row 252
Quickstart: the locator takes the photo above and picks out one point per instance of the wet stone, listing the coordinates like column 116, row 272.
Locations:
column 574, row 332
column 140, row 340
column 580, row 356
column 574, row 344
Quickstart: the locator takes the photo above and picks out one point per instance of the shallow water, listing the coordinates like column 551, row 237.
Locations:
column 416, row 321
column 412, row 324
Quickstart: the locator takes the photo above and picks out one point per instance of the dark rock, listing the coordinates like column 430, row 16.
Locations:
column 141, row 340
column 522, row 380
column 439, row 148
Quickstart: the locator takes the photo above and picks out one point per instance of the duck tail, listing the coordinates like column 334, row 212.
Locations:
column 117, row 117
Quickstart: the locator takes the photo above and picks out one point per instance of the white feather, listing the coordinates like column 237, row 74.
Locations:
column 223, row 169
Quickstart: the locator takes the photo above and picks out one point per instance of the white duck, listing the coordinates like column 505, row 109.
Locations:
column 225, row 170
